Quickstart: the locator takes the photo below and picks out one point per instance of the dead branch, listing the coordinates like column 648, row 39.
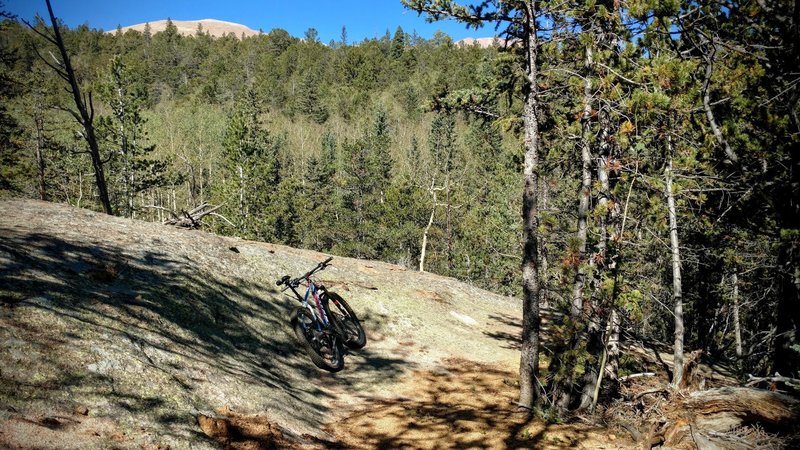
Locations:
column 223, row 218
column 191, row 219
column 752, row 381
column 172, row 213
column 649, row 391
column 636, row 375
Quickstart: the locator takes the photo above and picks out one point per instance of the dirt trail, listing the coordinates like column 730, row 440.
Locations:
column 461, row 405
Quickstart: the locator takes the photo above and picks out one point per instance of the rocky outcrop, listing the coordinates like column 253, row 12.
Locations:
column 128, row 334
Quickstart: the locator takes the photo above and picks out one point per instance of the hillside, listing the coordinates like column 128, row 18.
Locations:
column 214, row 27
column 120, row 332
column 129, row 334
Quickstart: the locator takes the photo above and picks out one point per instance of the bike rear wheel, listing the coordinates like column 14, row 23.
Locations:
column 346, row 322
column 323, row 347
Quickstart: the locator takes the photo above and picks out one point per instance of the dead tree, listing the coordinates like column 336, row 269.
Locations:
column 708, row 419
column 85, row 109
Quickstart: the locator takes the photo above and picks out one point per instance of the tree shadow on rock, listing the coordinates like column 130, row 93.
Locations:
column 507, row 330
column 118, row 321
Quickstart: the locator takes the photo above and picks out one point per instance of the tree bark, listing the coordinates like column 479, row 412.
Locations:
column 85, row 117
column 531, row 279
column 544, row 192
column 737, row 326
column 677, row 292
column 587, row 336
column 608, row 340
column 584, row 193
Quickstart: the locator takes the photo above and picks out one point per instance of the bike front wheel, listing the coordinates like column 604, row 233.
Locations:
column 323, row 347
column 346, row 322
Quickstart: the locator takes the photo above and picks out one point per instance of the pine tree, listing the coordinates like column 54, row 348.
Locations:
column 251, row 156
column 398, row 44
column 319, row 221
column 521, row 21
column 365, row 178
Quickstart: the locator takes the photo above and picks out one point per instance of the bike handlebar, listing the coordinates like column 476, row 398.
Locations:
column 296, row 282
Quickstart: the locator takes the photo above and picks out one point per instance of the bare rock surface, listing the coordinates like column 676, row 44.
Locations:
column 216, row 28
column 128, row 334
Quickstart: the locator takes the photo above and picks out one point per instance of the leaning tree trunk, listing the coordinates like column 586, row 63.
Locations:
column 677, row 291
column 83, row 116
column 531, row 279
column 424, row 246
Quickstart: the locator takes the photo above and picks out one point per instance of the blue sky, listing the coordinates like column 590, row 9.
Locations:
column 363, row 18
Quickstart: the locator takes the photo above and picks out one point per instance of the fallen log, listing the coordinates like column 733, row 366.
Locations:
column 708, row 419
column 191, row 219
column 726, row 408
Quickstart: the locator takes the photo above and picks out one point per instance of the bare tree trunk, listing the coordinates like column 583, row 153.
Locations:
column 531, row 281
column 40, row 158
column 449, row 226
column 241, row 198
column 544, row 192
column 425, row 233
column 161, row 204
column 80, row 189
column 612, row 345
column 83, row 116
column 677, row 289
column 737, row 327
column 607, row 341
column 585, row 191
column 564, row 388
column 202, row 185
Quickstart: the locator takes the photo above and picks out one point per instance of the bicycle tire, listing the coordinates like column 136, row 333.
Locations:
column 345, row 320
column 315, row 342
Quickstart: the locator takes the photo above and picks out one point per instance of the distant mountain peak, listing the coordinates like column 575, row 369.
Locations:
column 214, row 27
column 483, row 42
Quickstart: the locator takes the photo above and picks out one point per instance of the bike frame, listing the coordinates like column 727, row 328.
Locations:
column 312, row 290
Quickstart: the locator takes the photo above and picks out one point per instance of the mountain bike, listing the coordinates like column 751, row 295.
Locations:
column 324, row 323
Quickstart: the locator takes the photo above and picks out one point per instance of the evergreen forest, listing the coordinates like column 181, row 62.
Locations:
column 630, row 166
